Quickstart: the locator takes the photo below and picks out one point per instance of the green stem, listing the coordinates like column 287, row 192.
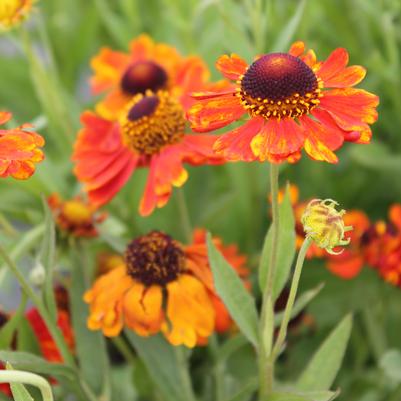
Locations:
column 124, row 349
column 184, row 215
column 291, row 299
column 183, row 371
column 17, row 376
column 51, row 326
column 266, row 367
column 7, row 226
column 218, row 369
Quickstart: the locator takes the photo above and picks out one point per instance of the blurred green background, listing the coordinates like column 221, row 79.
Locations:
column 231, row 200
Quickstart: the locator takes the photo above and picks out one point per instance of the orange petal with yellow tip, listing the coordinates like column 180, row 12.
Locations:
column 231, row 67
column 211, row 114
column 142, row 309
column 297, row 48
column 190, row 312
column 351, row 108
column 334, row 64
column 349, row 76
column 278, row 137
column 236, row 145
column 321, row 141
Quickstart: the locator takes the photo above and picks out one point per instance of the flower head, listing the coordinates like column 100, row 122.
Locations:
column 148, row 66
column 162, row 286
column 325, row 225
column 149, row 134
column 290, row 105
column 12, row 12
column 75, row 216
column 19, row 150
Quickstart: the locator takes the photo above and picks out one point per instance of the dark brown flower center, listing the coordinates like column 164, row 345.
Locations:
column 154, row 258
column 143, row 76
column 151, row 122
column 279, row 85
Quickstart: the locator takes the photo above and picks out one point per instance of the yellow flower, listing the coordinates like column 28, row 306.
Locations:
column 12, row 12
column 325, row 225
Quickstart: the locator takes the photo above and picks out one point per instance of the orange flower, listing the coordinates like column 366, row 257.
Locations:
column 149, row 134
column 19, row 150
column 12, row 12
column 382, row 246
column 290, row 108
column 75, row 216
column 163, row 286
column 148, row 66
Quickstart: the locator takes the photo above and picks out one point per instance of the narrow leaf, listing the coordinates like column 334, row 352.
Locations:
column 162, row 364
column 306, row 396
column 325, row 363
column 232, row 291
column 246, row 392
column 390, row 363
column 20, row 393
column 285, row 251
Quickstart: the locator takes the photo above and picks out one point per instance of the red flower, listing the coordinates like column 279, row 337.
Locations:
column 19, row 150
column 290, row 108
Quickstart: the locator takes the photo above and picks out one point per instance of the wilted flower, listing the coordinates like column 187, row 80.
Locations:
column 290, row 108
column 19, row 150
column 12, row 12
column 162, row 286
column 75, row 216
column 325, row 225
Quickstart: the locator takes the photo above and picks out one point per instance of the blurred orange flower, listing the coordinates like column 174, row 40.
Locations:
column 19, row 150
column 148, row 66
column 163, row 286
column 12, row 12
column 289, row 107
column 150, row 134
column 75, row 216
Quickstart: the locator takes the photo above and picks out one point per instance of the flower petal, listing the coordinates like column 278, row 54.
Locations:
column 335, row 63
column 211, row 114
column 351, row 108
column 349, row 76
column 346, row 265
column 198, row 150
column 278, row 138
column 320, row 140
column 231, row 67
column 297, row 48
column 236, row 145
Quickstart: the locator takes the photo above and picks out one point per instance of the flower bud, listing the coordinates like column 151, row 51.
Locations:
column 325, row 225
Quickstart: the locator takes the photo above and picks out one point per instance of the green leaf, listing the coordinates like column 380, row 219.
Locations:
column 288, row 31
column 307, row 396
column 232, row 291
column 300, row 303
column 162, row 364
column 285, row 251
column 90, row 345
column 325, row 363
column 47, row 259
column 20, row 393
column 390, row 363
column 246, row 392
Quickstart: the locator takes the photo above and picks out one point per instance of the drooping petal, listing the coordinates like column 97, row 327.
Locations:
column 278, row 138
column 351, row 108
column 103, row 163
column 321, row 141
column 198, row 150
column 335, row 63
column 231, row 67
column 349, row 76
column 142, row 309
column 165, row 171
column 214, row 113
column 236, row 145
column 189, row 311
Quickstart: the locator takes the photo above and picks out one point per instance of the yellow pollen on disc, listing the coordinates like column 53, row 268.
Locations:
column 151, row 122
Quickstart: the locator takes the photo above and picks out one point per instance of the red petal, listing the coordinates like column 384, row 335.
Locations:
column 349, row 76
column 231, row 67
column 335, row 63
column 347, row 265
column 321, row 140
column 198, row 150
column 236, row 145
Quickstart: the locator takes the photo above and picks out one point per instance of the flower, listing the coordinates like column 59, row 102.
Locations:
column 19, row 150
column 324, row 225
column 12, row 12
column 148, row 66
column 382, row 246
column 290, row 106
column 149, row 134
column 75, row 216
column 163, row 286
